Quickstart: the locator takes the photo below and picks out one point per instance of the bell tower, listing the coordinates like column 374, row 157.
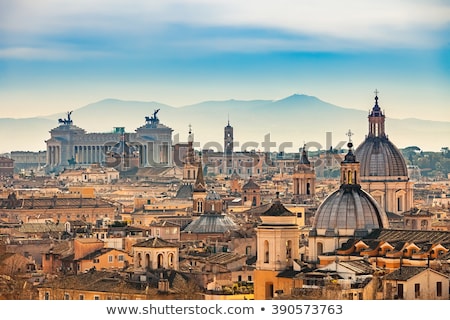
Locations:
column 199, row 192
column 304, row 179
column 189, row 163
column 228, row 139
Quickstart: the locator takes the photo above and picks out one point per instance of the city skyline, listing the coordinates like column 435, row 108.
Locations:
column 59, row 55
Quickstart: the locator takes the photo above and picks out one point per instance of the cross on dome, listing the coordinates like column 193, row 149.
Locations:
column 349, row 134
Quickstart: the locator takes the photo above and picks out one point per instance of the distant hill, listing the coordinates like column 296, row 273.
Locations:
column 295, row 120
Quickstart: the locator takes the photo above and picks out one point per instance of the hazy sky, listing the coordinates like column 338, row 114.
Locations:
column 59, row 55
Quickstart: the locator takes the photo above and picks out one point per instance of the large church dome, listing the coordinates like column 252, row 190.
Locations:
column 378, row 156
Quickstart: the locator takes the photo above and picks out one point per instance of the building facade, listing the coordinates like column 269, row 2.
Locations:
column 70, row 145
column 6, row 167
column 277, row 248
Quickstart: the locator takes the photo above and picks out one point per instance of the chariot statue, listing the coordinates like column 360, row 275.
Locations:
column 66, row 121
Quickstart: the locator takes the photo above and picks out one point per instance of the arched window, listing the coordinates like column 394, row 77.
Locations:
column 139, row 260
column 170, row 260
column 160, row 261
column 288, row 249
column 148, row 262
column 319, row 248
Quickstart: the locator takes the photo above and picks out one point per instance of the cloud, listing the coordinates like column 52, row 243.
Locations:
column 30, row 53
column 283, row 24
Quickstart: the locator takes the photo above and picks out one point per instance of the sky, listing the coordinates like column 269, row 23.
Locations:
column 59, row 55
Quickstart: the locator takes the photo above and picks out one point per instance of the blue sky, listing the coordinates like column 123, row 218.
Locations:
column 59, row 55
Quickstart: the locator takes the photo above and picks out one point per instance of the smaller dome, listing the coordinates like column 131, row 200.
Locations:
column 211, row 223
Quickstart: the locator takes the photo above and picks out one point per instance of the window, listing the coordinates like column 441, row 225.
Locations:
column 96, row 298
column 81, row 297
column 171, row 259
column 66, row 296
column 399, row 204
column 400, row 291
column 319, row 248
column 288, row 249
column 200, row 207
column 417, row 290
column 121, row 258
column 439, row 289
column 110, row 259
column 160, row 261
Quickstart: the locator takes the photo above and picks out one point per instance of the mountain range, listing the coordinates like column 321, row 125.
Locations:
column 290, row 122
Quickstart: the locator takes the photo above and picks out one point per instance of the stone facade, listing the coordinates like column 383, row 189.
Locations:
column 70, row 145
